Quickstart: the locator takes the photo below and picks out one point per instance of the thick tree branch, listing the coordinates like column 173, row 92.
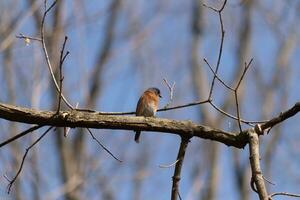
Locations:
column 93, row 120
column 257, row 177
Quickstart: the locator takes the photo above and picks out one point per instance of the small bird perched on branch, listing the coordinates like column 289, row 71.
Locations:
column 147, row 106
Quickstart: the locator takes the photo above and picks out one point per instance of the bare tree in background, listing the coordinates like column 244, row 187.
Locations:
column 119, row 47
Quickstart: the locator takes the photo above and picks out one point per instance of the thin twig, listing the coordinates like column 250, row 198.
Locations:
column 25, row 37
column 243, row 74
column 107, row 150
column 214, row 9
column 11, row 182
column 284, row 194
column 171, row 92
column 219, row 79
column 179, row 196
column 251, row 123
column 61, row 62
column 184, row 105
column 236, row 94
column 20, row 135
column 46, row 51
column 168, row 166
column 131, row 113
column 215, row 72
column 270, row 182
column 178, row 167
column 42, row 40
column 237, row 110
column 220, row 48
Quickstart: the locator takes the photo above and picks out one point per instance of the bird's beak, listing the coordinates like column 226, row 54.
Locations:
column 160, row 96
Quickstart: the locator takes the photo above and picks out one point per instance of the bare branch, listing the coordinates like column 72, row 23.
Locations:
column 159, row 110
column 215, row 9
column 237, row 110
column 171, row 92
column 257, row 177
column 184, row 105
column 251, row 123
column 103, row 147
column 216, row 75
column 25, row 37
column 221, row 45
column 284, row 194
column 243, row 74
column 236, row 94
column 93, row 120
column 11, row 182
column 268, row 181
column 61, row 62
column 177, row 171
column 168, row 166
column 46, row 51
column 20, row 135
column 282, row 117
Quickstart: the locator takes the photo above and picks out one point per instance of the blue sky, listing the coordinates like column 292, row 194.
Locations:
column 159, row 48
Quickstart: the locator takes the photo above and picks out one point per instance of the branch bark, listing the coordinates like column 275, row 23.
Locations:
column 178, row 167
column 75, row 119
column 257, row 176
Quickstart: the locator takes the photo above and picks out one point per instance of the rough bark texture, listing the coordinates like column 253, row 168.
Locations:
column 255, row 166
column 75, row 119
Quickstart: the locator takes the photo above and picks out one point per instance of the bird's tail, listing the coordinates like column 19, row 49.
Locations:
column 137, row 136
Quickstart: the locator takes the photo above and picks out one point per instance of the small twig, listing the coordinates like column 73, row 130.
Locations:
column 179, row 196
column 251, row 123
column 107, row 150
column 11, row 182
column 20, row 135
column 237, row 110
column 236, row 94
column 131, row 113
column 215, row 72
column 214, row 9
column 184, row 105
column 284, row 194
column 46, row 55
column 219, row 11
column 243, row 74
column 177, row 107
column 219, row 79
column 171, row 92
column 178, row 167
column 61, row 62
column 25, row 37
column 270, row 182
column 46, row 51
column 168, row 166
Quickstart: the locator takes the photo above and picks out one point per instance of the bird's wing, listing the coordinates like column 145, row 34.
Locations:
column 140, row 106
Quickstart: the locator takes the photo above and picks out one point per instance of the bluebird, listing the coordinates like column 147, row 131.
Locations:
column 147, row 106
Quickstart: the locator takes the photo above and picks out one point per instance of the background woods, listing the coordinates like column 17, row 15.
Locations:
column 119, row 48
